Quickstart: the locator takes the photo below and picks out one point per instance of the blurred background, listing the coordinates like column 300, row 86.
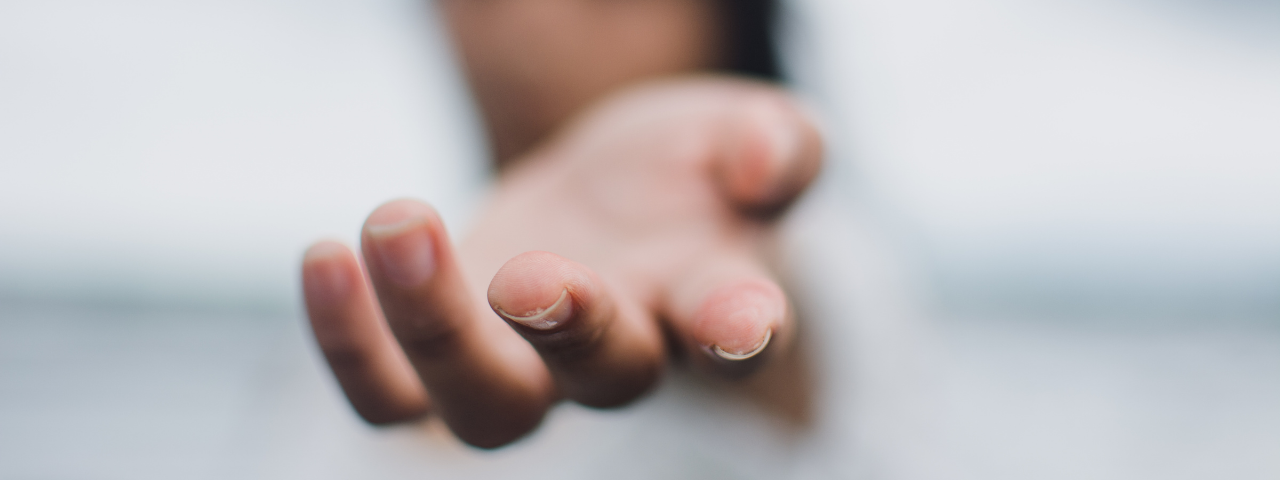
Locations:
column 1088, row 192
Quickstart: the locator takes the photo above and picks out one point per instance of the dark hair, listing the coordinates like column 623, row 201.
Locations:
column 750, row 38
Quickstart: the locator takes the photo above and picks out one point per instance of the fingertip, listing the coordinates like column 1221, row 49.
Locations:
column 399, row 210
column 738, row 321
column 324, row 249
column 327, row 273
column 773, row 152
column 402, row 241
column 400, row 219
column 539, row 290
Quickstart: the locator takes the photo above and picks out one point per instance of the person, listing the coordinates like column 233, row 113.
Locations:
column 644, row 151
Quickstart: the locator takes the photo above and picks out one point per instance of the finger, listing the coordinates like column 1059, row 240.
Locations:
column 729, row 314
column 354, row 339
column 485, row 382
column 771, row 152
column 602, row 352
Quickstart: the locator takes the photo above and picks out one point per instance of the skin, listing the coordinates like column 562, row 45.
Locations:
column 630, row 223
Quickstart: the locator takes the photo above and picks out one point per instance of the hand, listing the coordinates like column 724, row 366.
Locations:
column 641, row 228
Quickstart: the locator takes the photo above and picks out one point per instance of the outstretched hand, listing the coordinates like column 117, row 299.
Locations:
column 641, row 228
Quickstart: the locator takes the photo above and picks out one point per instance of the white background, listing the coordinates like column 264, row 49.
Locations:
column 187, row 152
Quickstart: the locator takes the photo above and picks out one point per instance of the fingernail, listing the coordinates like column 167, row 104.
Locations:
column 547, row 318
column 403, row 251
column 325, row 282
column 768, row 334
